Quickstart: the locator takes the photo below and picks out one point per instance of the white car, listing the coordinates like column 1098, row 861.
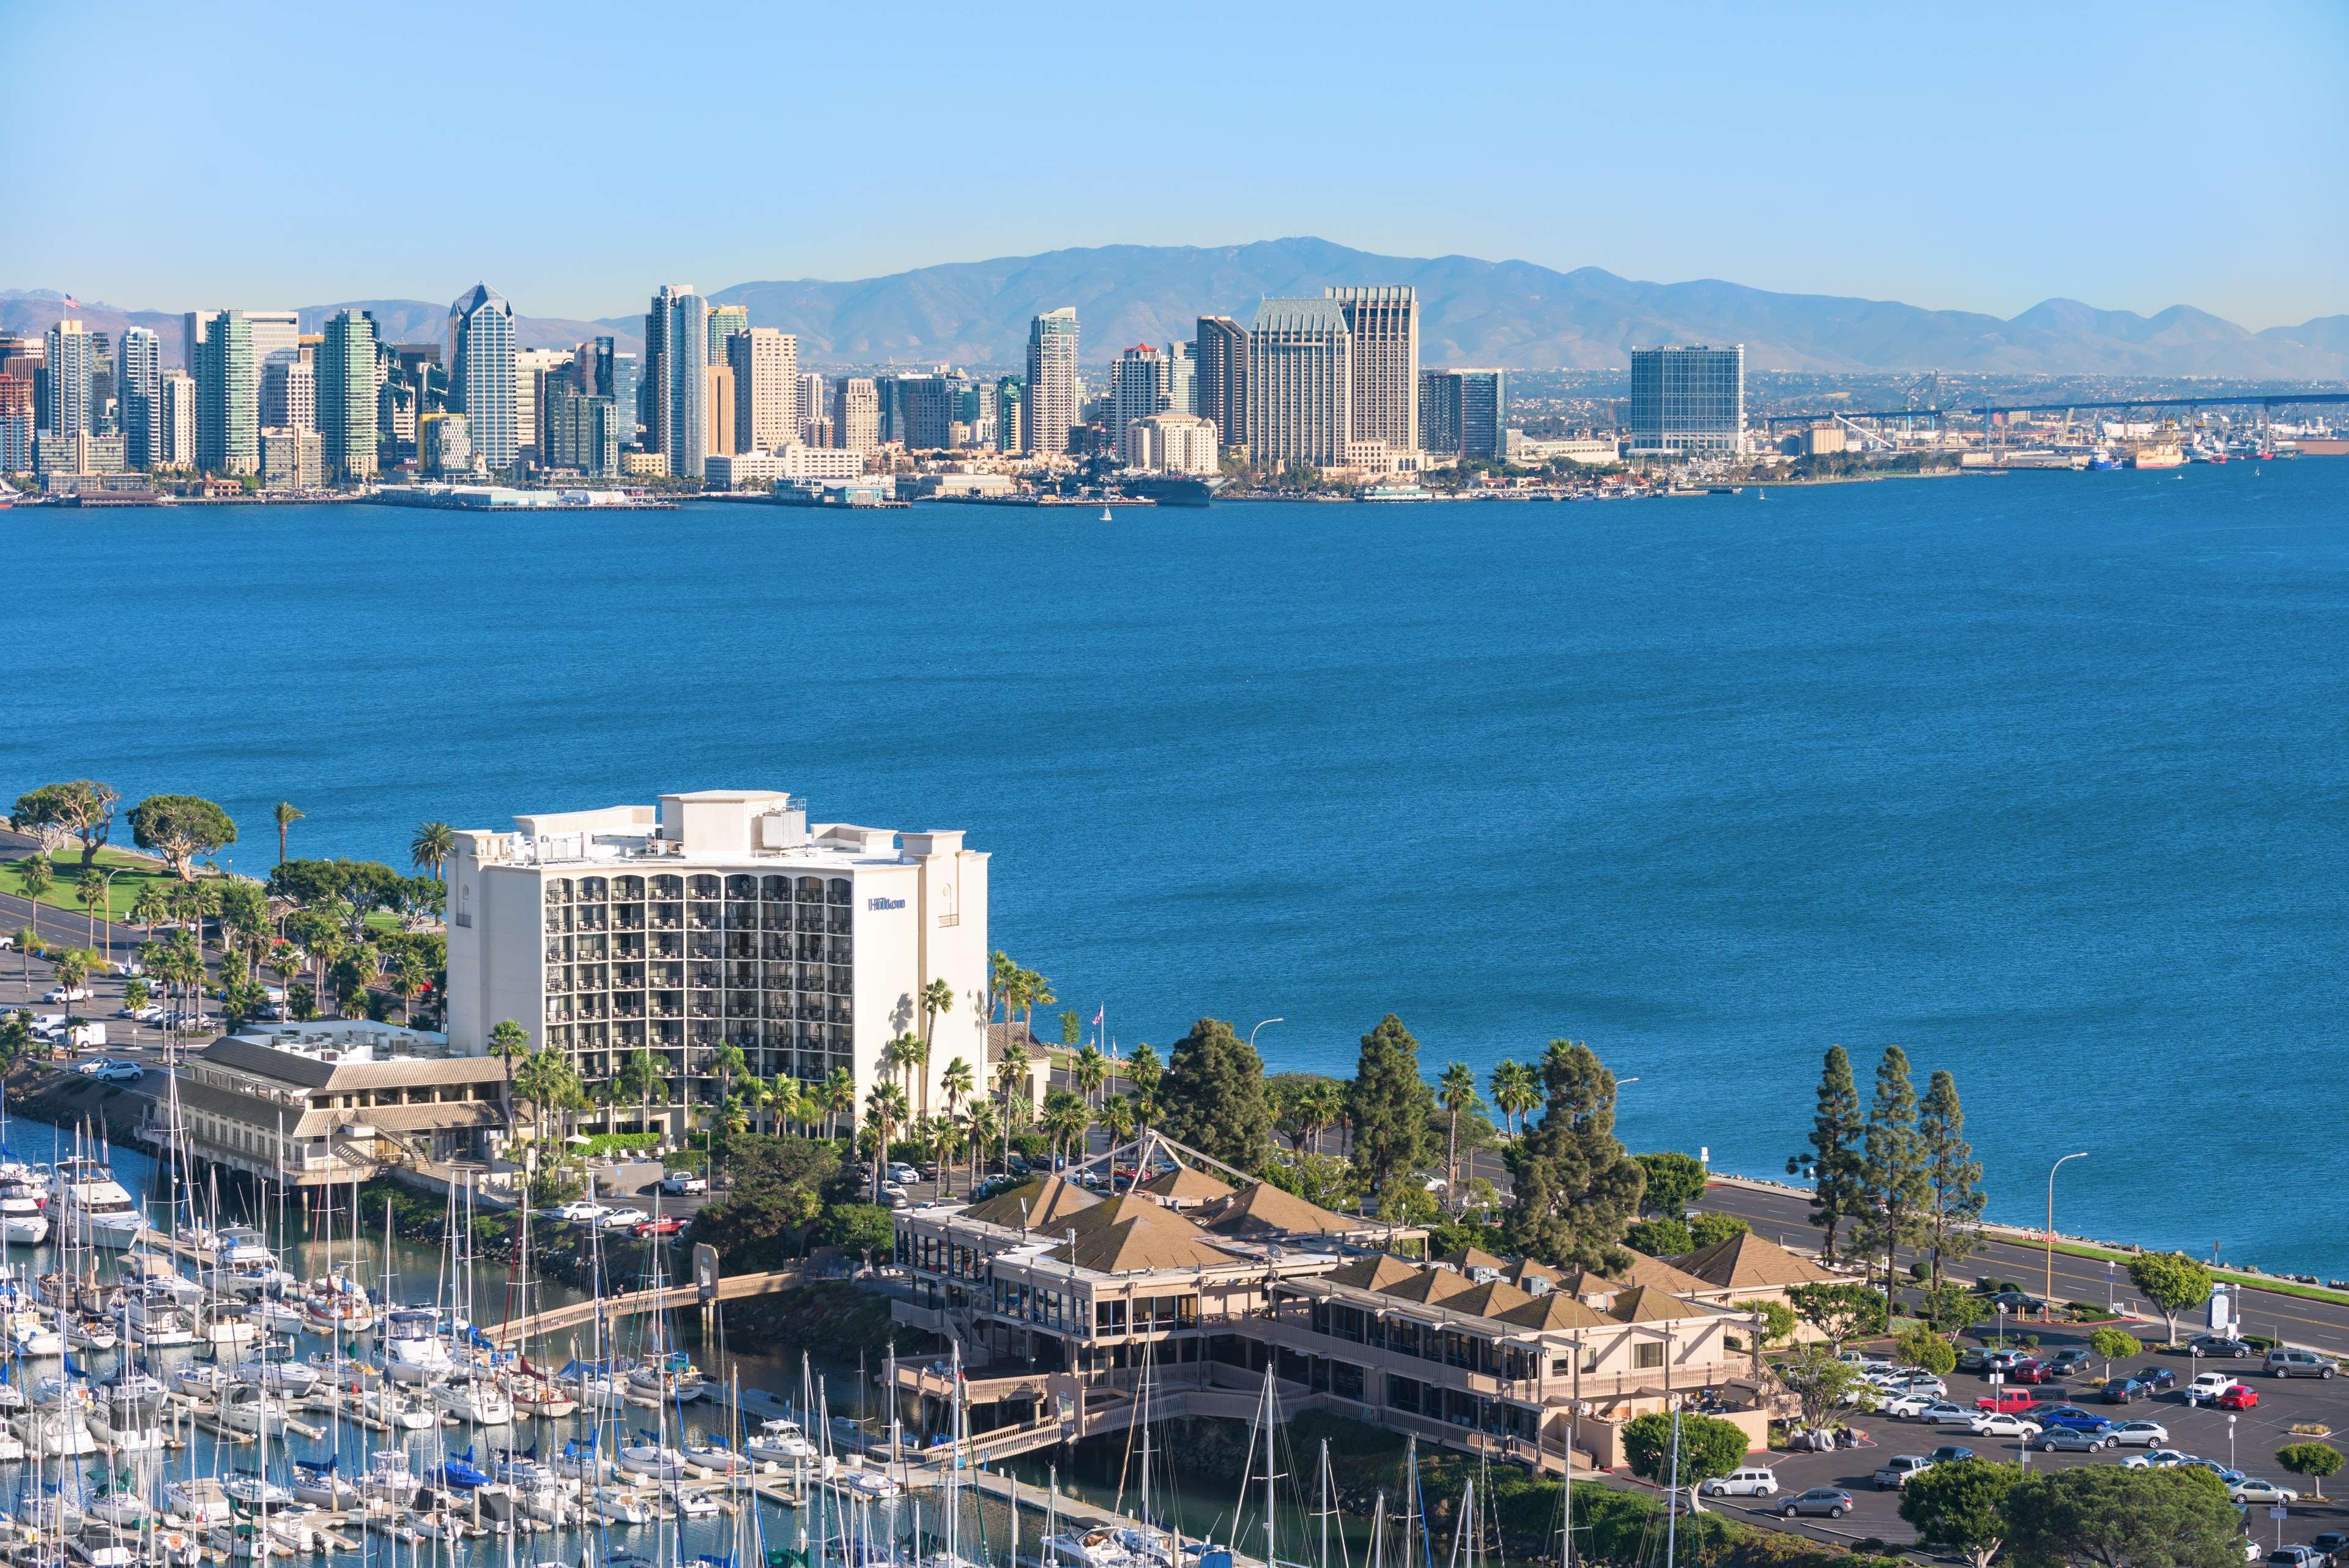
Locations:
column 65, row 993
column 1905, row 1405
column 621, row 1219
column 1753, row 1482
column 582, row 1212
column 1948, row 1415
column 2209, row 1385
column 2250, row 1489
column 892, row 1193
column 2158, row 1459
column 679, row 1183
column 112, row 1071
column 1921, row 1383
column 2000, row 1424
column 902, row 1172
column 2141, row 1435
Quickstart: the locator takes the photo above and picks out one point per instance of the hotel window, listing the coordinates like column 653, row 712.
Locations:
column 1647, row 1355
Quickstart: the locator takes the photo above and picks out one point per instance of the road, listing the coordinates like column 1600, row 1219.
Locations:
column 2319, row 1325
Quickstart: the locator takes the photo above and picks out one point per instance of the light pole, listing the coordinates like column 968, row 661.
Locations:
column 2050, row 1223
column 2002, row 1325
column 1260, row 1024
column 2230, row 1439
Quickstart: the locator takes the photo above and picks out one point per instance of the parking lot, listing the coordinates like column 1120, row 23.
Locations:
column 2247, row 1443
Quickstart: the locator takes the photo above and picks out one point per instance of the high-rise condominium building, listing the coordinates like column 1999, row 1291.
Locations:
column 72, row 357
column 531, row 368
column 481, row 374
column 1384, row 321
column 444, row 445
column 1220, row 376
column 1439, row 412
column 1052, row 381
column 1010, row 414
column 926, row 412
column 719, row 918
column 175, row 420
column 1465, row 414
column 677, row 353
column 228, row 430
column 138, row 375
column 1688, row 399
column 346, row 396
column 856, row 418
column 582, row 429
column 809, row 409
column 1137, row 390
column 725, row 320
column 291, row 459
column 766, row 366
column 1300, row 383
column 718, row 397
column 1181, row 377
column 276, row 334
column 612, row 373
column 289, row 395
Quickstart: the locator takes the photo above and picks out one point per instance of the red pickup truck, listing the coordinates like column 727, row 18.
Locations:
column 2007, row 1402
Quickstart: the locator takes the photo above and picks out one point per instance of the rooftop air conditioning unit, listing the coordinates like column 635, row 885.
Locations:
column 1536, row 1285
column 1483, row 1275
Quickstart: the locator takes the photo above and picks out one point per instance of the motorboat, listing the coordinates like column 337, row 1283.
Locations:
column 123, row 1434
column 474, row 1396
column 389, row 1480
column 580, row 1462
column 712, row 1457
column 399, row 1407
column 274, row 1316
column 867, row 1483
column 614, row 1506
column 32, row 1339
column 652, row 1459
column 24, row 1221
column 779, row 1442
column 458, row 1472
column 58, row 1434
column 156, row 1315
column 133, row 1391
column 275, row 1369
column 90, row 1207
column 437, row 1522
column 197, row 1499
column 255, row 1492
column 687, row 1505
column 225, row 1331
column 316, row 1483
column 116, row 1499
column 242, row 1264
column 534, row 1395
column 251, row 1408
column 61, row 1393
column 200, row 1379
column 414, row 1349
column 1096, row 1548
column 101, row 1545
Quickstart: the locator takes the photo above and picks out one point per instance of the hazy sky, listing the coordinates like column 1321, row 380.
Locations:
column 574, row 156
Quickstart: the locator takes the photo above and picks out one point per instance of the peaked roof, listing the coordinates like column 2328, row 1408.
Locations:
column 1468, row 1258
column 1747, row 1261
column 1428, row 1286
column 1554, row 1310
column 1655, row 1273
column 1264, row 1210
column 1372, row 1274
column 1040, row 1204
column 1185, row 1185
column 1583, row 1282
column 1647, row 1304
column 1130, row 1235
column 1489, row 1300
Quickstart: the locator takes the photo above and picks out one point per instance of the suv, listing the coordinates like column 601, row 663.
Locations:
column 1894, row 1473
column 2282, row 1363
column 1752, row 1481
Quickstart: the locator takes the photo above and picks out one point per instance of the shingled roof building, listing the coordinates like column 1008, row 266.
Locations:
column 1057, row 1296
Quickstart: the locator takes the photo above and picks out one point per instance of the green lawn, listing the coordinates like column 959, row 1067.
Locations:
column 131, row 873
column 2257, row 1282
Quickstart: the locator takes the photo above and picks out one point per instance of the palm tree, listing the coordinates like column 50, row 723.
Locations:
column 149, row 905
column 1457, row 1091
column 643, row 1078
column 1091, row 1071
column 1118, row 1118
column 1002, row 979
column 981, row 1121
column 92, row 892
column 839, row 1097
column 38, row 875
column 548, row 1081
column 885, row 1111
column 509, row 1043
column 1143, row 1069
column 728, row 1063
column 434, row 844
column 782, row 1099
column 1012, row 1068
column 914, row 1057
column 1067, row 1118
column 28, row 941
column 288, row 813
column 70, row 968
column 1035, row 992
column 1515, row 1091
column 408, row 978
column 938, row 997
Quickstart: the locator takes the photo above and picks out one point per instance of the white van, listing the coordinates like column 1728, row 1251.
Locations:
column 1754, row 1481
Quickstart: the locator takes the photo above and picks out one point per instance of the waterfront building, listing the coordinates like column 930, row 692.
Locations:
column 1170, row 442
column 857, row 422
column 718, row 398
column 445, row 445
column 481, row 374
column 1137, row 389
column 613, row 373
column 676, row 352
column 16, row 435
column 175, row 420
column 139, row 374
column 346, row 396
column 806, row 461
column 533, row 368
column 636, row 464
column 809, row 408
column 583, row 429
column 1689, row 400
column 1385, row 323
column 1051, row 381
column 1465, row 414
column 1439, row 412
column 743, row 470
column 766, row 366
column 721, row 917
column 293, row 459
column 289, row 395
column 82, row 452
column 725, row 321
column 71, row 361
column 228, row 430
column 1300, row 382
column 1011, row 414
column 1219, row 377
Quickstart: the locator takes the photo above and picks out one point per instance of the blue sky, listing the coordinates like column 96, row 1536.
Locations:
column 1980, row 157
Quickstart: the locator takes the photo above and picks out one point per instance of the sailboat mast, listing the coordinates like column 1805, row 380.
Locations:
column 1672, row 1497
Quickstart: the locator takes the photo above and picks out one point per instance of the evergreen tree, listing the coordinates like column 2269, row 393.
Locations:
column 1894, row 1193
column 1389, row 1105
column 1832, row 1162
column 1212, row 1097
column 1953, row 1215
column 1577, row 1189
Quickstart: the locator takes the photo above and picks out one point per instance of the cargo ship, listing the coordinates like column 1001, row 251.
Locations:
column 1172, row 488
column 2156, row 454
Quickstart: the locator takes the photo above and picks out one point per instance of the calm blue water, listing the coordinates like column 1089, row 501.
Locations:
column 2041, row 776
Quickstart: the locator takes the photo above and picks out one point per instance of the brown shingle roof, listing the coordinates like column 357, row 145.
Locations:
column 1556, row 1310
column 1657, row 1274
column 1185, row 1185
column 1487, row 1300
column 1132, row 1235
column 1428, row 1286
column 1468, row 1258
column 1372, row 1274
column 1040, row 1204
column 1747, row 1262
column 1646, row 1303
column 1264, row 1210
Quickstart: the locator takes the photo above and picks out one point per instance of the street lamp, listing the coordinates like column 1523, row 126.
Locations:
column 2002, row 1325
column 1260, row 1025
column 2230, row 1440
column 2051, row 1219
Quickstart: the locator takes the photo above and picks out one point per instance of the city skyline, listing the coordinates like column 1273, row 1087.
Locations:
column 1904, row 159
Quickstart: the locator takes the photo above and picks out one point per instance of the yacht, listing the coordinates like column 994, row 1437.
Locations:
column 257, row 1491
column 389, row 1480
column 59, row 1434
column 399, row 1408
column 91, row 1207
column 1096, row 1548
column 779, row 1442
column 200, row 1379
column 32, row 1339
column 475, row 1396
column 101, row 1545
column 24, row 1221
column 243, row 1265
column 272, row 1314
column 614, row 1506
column 687, row 1505
column 199, row 1499
column 714, row 1458
column 133, row 1394
column 248, row 1407
column 121, row 1429
column 653, row 1460
column 316, row 1483
column 414, row 1351
column 275, row 1369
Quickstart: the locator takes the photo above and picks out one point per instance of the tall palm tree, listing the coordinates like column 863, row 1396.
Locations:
column 782, row 1099
column 36, row 874
column 980, row 1121
column 1118, row 1118
column 938, row 997
column 1035, row 992
column 149, row 904
column 432, row 847
column 1091, row 1071
column 1002, row 976
column 1457, row 1092
column 287, row 814
column 27, row 940
column 914, row 1057
column 1516, row 1090
column 93, row 891
column 839, row 1097
column 509, row 1043
column 1010, row 1069
column 643, row 1078
column 885, row 1110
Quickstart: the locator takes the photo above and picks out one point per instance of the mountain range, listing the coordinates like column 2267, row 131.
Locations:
column 1473, row 312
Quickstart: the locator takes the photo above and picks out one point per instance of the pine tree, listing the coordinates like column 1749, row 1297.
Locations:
column 1212, row 1097
column 1955, row 1205
column 1389, row 1105
column 1577, row 1189
column 1832, row 1162
column 1894, row 1194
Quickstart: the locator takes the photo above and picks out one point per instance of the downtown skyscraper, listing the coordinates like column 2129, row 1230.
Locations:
column 72, row 362
column 1383, row 322
column 1052, row 381
column 138, row 379
column 677, row 355
column 1219, row 378
column 347, row 395
column 1300, row 384
column 481, row 374
column 228, row 429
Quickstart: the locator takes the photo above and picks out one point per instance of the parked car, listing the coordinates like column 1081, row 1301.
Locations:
column 2072, row 1440
column 659, row 1225
column 1975, row 1358
column 1865, row 1361
column 1894, row 1473
column 1948, row 1415
column 2141, row 1435
column 2218, row 1346
column 891, row 1192
column 2209, row 1385
column 2032, row 1372
column 2284, row 1362
column 2016, row 1302
column 2068, row 1362
column 2158, row 1459
column 582, row 1212
column 2121, row 1390
column 900, row 1172
column 677, row 1183
column 1921, row 1383
column 623, row 1219
column 2157, row 1379
column 1991, row 1425
column 1951, row 1453
column 2241, row 1396
column 111, row 1070
column 1752, row 1481
column 2332, row 1543
column 2252, row 1488
column 1908, row 1406
column 2297, row 1557
column 65, row 993
column 1819, row 1500
column 2007, row 1402
column 2072, row 1418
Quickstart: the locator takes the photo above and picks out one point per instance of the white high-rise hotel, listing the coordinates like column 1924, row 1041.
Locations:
column 1334, row 379
column 722, row 917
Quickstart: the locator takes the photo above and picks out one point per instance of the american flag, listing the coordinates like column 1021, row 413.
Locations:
column 72, row 304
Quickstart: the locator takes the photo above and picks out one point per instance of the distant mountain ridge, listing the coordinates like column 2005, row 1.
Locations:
column 1473, row 312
